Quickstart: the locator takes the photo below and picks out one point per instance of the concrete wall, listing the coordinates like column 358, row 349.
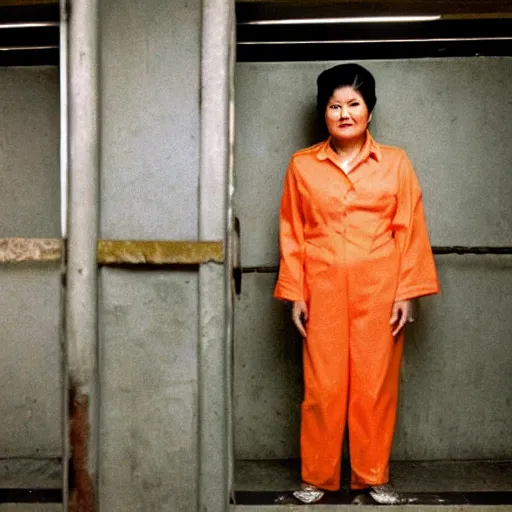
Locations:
column 150, row 119
column 29, row 152
column 150, row 56
column 30, row 323
column 453, row 118
column 149, row 390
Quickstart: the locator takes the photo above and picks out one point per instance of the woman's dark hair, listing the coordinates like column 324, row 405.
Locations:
column 345, row 75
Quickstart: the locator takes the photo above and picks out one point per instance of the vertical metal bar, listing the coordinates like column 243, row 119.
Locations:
column 82, row 276
column 229, row 263
column 214, row 283
column 64, row 151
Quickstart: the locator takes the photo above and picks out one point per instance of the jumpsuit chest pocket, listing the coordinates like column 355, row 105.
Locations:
column 380, row 205
column 327, row 200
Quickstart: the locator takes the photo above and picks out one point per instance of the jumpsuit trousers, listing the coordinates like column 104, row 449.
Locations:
column 351, row 370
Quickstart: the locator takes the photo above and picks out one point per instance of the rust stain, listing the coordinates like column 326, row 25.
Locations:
column 82, row 490
column 115, row 252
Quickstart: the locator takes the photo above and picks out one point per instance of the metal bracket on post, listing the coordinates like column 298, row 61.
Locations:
column 237, row 264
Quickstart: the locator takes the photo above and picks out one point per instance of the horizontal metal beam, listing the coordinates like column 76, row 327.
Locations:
column 118, row 252
column 115, row 252
column 161, row 252
column 26, row 250
column 438, row 250
column 461, row 249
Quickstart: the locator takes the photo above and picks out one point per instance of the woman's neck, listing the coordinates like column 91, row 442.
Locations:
column 348, row 150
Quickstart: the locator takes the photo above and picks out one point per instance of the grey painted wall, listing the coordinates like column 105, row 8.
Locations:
column 150, row 56
column 451, row 115
column 455, row 392
column 453, row 118
column 148, row 390
column 29, row 152
column 30, row 366
column 149, row 119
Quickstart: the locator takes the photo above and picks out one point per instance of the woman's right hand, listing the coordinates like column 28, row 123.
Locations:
column 300, row 316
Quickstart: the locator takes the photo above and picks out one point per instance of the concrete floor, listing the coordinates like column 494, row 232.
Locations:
column 370, row 508
column 277, row 475
column 408, row 477
column 461, row 476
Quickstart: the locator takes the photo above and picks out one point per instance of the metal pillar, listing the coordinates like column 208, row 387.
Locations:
column 81, row 281
column 64, row 169
column 215, row 185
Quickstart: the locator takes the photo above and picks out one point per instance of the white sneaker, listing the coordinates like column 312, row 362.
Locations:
column 309, row 494
column 385, row 495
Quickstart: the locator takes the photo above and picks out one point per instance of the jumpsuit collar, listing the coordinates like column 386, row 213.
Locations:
column 369, row 149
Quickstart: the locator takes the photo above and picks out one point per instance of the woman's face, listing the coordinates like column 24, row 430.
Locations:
column 346, row 115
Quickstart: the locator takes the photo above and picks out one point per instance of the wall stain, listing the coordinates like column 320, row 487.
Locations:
column 81, row 488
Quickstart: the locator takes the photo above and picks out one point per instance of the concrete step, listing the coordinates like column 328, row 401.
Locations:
column 438, row 486
column 362, row 498
column 30, row 473
column 407, row 477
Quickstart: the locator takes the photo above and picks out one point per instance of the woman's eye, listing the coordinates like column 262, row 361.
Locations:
column 334, row 106
column 355, row 104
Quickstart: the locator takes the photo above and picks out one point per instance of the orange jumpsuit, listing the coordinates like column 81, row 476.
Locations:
column 351, row 245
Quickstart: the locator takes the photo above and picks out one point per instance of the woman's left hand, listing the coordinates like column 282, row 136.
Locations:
column 402, row 312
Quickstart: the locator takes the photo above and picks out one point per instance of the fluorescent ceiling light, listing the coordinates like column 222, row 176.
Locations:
column 371, row 41
column 323, row 21
column 30, row 25
column 20, row 48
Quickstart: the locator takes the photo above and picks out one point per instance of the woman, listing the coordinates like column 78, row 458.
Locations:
column 354, row 253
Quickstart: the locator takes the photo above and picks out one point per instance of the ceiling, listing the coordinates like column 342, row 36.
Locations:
column 29, row 31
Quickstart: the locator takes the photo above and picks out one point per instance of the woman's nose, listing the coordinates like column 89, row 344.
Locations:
column 344, row 112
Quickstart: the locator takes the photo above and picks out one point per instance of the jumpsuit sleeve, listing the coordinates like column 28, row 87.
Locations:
column 291, row 241
column 417, row 274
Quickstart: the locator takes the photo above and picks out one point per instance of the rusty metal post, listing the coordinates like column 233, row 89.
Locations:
column 82, row 274
column 215, row 303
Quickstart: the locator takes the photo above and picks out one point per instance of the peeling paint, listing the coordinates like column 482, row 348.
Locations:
column 17, row 250
column 82, row 491
column 115, row 252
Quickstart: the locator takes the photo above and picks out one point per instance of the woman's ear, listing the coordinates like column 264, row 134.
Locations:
column 370, row 117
